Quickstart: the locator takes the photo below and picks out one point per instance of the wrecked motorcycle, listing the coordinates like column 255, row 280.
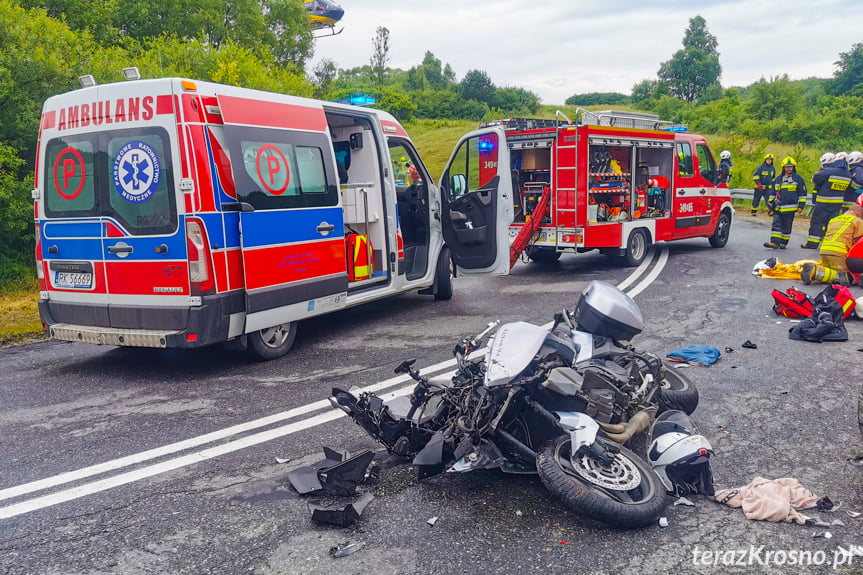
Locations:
column 560, row 401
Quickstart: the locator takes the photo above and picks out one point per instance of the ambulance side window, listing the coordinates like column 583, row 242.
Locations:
column 473, row 166
column 684, row 159
column 282, row 169
column 70, row 177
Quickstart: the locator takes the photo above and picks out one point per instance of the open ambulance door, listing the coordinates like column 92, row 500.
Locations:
column 476, row 203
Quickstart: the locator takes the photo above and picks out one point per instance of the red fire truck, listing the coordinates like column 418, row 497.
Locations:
column 613, row 181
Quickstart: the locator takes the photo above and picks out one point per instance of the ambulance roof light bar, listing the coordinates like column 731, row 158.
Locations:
column 87, row 81
column 132, row 73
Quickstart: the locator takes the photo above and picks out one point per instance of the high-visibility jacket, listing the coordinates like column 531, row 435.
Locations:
column 831, row 181
column 764, row 175
column 841, row 232
column 788, row 196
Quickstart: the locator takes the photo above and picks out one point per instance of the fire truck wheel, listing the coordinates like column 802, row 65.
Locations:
column 723, row 229
column 272, row 342
column 636, row 248
column 543, row 255
column 443, row 276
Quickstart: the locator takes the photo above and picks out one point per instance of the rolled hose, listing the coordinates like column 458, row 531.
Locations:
column 621, row 433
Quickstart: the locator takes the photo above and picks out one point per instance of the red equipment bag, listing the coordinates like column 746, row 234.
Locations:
column 841, row 294
column 358, row 251
column 792, row 303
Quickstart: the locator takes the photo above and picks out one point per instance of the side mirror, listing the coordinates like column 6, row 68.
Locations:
column 458, row 185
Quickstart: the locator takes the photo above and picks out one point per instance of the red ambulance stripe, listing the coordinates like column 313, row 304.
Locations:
column 141, row 278
column 272, row 114
column 112, row 231
column 399, row 131
column 49, row 120
column 208, row 101
column 220, row 270
column 223, row 166
column 193, row 173
column 98, row 280
column 165, row 104
column 184, row 164
column 192, row 108
column 204, row 189
column 235, row 269
column 285, row 264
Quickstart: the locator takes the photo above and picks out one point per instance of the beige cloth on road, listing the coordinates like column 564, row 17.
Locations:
column 770, row 499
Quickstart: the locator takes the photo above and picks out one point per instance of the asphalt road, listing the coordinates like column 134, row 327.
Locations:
column 139, row 461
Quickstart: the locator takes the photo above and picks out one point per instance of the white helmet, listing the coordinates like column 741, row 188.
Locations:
column 826, row 158
column 725, row 155
column 855, row 158
column 680, row 458
column 840, row 156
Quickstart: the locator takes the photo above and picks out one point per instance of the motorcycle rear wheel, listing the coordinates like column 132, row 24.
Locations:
column 588, row 488
column 677, row 392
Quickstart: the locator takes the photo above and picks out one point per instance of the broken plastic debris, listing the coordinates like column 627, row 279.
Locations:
column 824, row 534
column 838, row 522
column 344, row 516
column 684, row 501
column 518, row 512
column 279, row 460
column 663, row 522
column 345, row 549
column 336, row 474
column 852, row 514
column 432, row 521
column 824, row 504
column 749, row 345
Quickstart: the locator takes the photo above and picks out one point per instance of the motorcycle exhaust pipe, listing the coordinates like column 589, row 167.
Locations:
column 623, row 433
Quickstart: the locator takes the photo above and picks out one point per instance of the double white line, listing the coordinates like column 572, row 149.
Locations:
column 43, row 501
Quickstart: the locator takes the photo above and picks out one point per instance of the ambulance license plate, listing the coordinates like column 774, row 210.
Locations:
column 71, row 280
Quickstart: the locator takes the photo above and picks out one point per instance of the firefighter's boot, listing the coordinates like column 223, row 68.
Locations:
column 771, row 245
column 753, row 212
column 810, row 245
column 848, row 279
column 806, row 273
column 820, row 274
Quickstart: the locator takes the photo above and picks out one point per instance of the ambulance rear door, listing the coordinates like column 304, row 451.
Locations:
column 291, row 220
column 476, row 203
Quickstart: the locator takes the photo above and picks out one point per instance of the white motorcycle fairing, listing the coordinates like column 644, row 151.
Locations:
column 512, row 348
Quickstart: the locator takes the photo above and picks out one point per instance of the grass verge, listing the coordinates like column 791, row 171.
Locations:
column 19, row 312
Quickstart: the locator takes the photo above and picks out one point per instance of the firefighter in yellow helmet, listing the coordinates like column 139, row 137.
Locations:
column 787, row 198
column 843, row 231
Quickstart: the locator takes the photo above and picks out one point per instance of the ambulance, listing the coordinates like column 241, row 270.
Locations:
column 174, row 213
column 613, row 181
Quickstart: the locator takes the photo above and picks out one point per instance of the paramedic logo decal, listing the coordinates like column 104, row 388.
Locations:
column 136, row 172
column 273, row 171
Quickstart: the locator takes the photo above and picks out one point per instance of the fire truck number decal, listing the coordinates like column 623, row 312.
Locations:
column 136, row 172
column 490, row 164
column 72, row 165
column 687, row 208
column 273, row 171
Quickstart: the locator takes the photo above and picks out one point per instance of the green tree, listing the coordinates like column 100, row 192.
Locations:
column 597, row 98
column 848, row 79
column 692, row 69
column 380, row 55
column 476, row 85
column 778, row 98
column 324, row 74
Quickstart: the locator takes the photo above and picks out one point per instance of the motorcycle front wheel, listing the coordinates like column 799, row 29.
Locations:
column 626, row 493
column 677, row 392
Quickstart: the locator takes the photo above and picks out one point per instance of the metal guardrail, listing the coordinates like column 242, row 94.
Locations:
column 747, row 194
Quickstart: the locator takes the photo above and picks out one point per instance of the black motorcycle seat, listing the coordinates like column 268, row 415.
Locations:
column 564, row 381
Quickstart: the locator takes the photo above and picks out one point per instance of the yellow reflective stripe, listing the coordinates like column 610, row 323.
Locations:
column 791, row 208
column 828, row 200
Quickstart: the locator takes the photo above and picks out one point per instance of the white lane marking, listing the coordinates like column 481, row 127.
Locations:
column 172, row 464
column 196, row 441
column 654, row 273
column 638, row 271
column 156, row 469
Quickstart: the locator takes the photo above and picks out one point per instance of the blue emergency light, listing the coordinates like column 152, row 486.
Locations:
column 357, row 101
column 485, row 145
column 676, row 128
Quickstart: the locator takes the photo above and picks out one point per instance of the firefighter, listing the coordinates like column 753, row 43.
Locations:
column 787, row 198
column 855, row 166
column 842, row 232
column 763, row 179
column 725, row 166
column 830, row 181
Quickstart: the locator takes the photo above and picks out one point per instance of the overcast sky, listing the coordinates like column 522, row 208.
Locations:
column 557, row 48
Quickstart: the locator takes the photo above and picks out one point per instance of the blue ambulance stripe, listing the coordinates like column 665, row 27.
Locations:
column 213, row 224
column 72, row 229
column 232, row 229
column 73, row 249
column 267, row 228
